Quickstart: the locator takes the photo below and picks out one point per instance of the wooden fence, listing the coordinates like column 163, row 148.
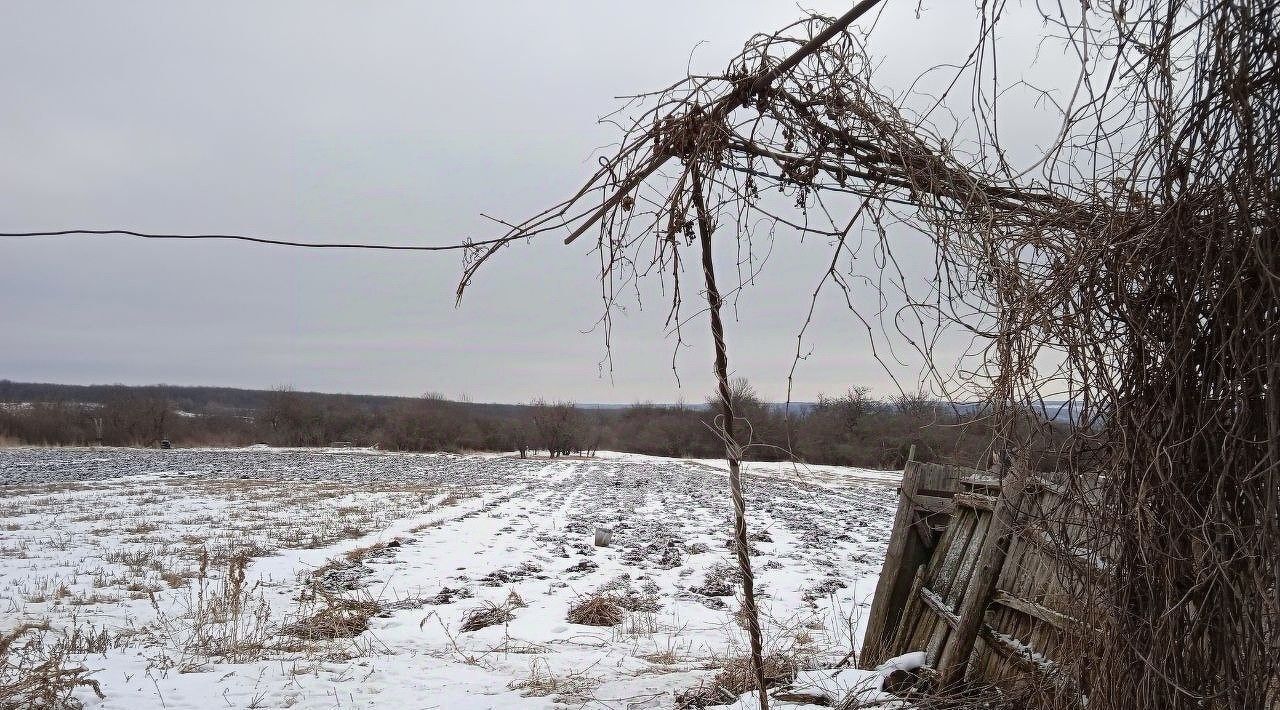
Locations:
column 981, row 575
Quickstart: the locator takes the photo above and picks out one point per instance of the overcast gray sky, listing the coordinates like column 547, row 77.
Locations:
column 390, row 121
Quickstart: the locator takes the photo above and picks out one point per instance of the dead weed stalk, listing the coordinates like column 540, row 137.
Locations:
column 38, row 675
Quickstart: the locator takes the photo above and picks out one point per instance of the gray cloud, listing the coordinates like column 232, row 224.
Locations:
column 391, row 121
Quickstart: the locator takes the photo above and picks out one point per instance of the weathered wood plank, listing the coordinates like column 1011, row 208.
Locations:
column 981, row 479
column 1015, row 578
column 934, row 504
column 973, row 607
column 897, row 572
column 975, row 500
column 942, row 477
column 939, row 607
column 953, row 539
column 1005, row 645
column 924, row 510
column 1036, row 535
column 1030, row 612
column 1013, row 650
column 907, row 623
column 958, row 564
column 967, row 558
column 1039, row 611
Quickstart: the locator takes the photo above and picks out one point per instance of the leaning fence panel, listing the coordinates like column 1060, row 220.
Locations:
column 1012, row 553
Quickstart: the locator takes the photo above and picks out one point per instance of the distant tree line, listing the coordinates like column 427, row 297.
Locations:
column 853, row 428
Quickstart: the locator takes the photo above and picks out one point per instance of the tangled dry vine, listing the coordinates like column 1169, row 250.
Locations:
column 1131, row 270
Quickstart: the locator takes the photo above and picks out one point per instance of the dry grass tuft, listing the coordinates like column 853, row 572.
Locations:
column 519, row 646
column 486, row 615
column 664, row 657
column 642, row 623
column 37, row 675
column 221, row 620
column 338, row 618
column 596, row 610
column 542, row 682
column 515, row 601
column 736, row 678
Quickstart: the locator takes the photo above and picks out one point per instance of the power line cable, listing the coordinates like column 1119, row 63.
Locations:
column 255, row 240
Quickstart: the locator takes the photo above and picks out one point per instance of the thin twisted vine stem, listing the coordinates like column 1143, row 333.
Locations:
column 732, row 450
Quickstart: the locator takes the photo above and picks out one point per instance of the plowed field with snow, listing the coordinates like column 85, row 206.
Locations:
column 281, row 578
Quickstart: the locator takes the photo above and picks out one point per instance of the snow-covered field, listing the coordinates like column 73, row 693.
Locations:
column 269, row 578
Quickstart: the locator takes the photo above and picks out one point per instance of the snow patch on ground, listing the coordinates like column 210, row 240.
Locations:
column 127, row 541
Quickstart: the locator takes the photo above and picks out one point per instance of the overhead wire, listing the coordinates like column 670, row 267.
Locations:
column 256, row 240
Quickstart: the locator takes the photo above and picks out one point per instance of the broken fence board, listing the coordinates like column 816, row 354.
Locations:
column 923, row 509
column 991, row 558
column 1043, row 613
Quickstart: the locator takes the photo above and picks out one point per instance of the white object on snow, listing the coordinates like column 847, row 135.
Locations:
column 603, row 536
column 905, row 662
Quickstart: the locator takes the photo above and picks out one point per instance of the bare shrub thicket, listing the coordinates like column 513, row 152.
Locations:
column 559, row 428
column 130, row 419
column 863, row 431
